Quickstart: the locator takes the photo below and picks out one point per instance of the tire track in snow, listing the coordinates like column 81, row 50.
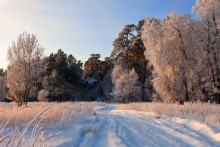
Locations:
column 144, row 135
column 184, row 133
column 125, row 129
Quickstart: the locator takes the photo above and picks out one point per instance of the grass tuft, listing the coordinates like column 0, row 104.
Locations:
column 204, row 112
column 16, row 122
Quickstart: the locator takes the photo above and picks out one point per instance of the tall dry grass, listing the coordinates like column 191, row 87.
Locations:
column 58, row 112
column 30, row 119
column 204, row 112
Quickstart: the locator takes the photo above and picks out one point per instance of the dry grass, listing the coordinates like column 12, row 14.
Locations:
column 29, row 119
column 58, row 112
column 205, row 112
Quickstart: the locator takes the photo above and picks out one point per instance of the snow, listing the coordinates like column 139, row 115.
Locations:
column 121, row 128
column 109, row 127
column 91, row 81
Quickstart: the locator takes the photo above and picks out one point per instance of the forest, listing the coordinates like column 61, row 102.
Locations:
column 174, row 60
column 159, row 85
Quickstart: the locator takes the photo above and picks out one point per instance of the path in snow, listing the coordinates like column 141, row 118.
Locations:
column 115, row 129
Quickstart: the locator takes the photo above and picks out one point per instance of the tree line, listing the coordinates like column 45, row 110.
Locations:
column 177, row 58
column 171, row 60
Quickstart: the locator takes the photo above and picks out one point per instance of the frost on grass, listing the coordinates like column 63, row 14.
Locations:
column 204, row 112
column 58, row 112
column 16, row 122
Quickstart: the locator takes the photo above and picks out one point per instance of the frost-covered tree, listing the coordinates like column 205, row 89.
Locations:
column 3, row 88
column 209, row 12
column 25, row 69
column 127, row 87
column 185, row 53
column 171, row 50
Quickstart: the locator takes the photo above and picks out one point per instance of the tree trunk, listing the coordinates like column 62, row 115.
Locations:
column 186, row 91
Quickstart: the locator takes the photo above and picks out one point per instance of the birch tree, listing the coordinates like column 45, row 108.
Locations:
column 209, row 13
column 171, row 50
column 25, row 69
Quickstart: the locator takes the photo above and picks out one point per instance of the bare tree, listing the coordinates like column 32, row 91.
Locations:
column 25, row 68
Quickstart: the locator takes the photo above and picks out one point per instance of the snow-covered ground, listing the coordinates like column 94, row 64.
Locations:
column 109, row 127
column 115, row 128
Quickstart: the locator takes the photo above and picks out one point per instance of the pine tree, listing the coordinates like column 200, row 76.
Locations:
column 129, row 53
column 64, row 74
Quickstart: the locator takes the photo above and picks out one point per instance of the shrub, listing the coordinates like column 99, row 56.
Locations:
column 43, row 95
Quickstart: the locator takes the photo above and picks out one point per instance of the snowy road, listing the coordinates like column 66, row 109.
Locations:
column 120, row 128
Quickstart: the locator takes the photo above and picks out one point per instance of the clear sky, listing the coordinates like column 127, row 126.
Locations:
column 79, row 27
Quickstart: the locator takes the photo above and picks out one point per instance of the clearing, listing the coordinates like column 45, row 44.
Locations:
column 115, row 128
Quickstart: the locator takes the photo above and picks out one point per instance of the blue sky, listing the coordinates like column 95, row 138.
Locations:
column 79, row 27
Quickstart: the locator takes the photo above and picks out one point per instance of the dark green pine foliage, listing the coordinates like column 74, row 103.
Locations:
column 64, row 74
column 129, row 53
column 95, row 68
column 2, row 72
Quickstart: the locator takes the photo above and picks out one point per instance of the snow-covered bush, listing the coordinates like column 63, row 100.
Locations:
column 127, row 87
column 90, row 82
column 43, row 95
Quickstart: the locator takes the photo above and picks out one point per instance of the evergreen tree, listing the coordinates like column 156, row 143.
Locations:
column 3, row 88
column 64, row 73
column 95, row 68
column 129, row 51
column 2, row 72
